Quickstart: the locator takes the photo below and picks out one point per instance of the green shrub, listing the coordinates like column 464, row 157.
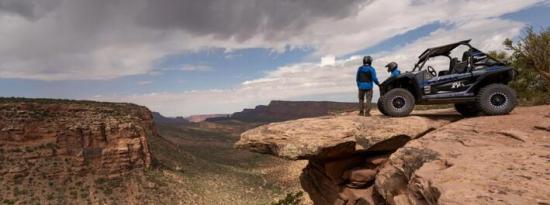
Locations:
column 529, row 56
column 291, row 199
column 101, row 181
column 7, row 201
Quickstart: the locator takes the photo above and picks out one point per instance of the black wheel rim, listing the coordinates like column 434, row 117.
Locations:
column 498, row 99
column 398, row 102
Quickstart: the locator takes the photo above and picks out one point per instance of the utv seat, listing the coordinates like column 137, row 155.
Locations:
column 460, row 67
column 466, row 56
column 452, row 65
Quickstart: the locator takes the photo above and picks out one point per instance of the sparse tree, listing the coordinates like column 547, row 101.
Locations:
column 533, row 51
column 530, row 55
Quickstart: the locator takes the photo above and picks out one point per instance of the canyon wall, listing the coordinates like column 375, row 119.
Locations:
column 46, row 143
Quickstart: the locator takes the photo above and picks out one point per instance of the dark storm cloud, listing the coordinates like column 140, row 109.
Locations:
column 243, row 19
column 107, row 39
column 29, row 9
column 103, row 39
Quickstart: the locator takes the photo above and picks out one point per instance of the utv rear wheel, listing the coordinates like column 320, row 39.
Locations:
column 380, row 107
column 496, row 99
column 467, row 109
column 398, row 102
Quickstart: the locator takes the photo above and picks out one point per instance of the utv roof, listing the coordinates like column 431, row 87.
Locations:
column 441, row 50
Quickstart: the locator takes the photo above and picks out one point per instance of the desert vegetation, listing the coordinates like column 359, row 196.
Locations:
column 530, row 55
column 196, row 164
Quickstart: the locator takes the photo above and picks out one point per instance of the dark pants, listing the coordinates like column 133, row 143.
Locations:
column 365, row 106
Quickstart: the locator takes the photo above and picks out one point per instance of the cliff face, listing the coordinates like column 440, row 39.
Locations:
column 290, row 110
column 434, row 157
column 60, row 141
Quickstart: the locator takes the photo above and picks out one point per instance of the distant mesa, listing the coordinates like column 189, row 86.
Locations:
column 160, row 119
column 289, row 110
column 275, row 111
column 200, row 118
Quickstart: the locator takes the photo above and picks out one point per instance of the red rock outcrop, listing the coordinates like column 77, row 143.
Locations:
column 344, row 153
column 482, row 160
column 57, row 139
column 433, row 157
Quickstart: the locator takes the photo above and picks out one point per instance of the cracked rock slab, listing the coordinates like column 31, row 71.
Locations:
column 337, row 136
column 482, row 160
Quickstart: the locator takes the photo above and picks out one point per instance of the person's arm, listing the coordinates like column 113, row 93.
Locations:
column 374, row 78
column 357, row 75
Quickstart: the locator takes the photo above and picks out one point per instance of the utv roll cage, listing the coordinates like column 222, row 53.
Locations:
column 446, row 51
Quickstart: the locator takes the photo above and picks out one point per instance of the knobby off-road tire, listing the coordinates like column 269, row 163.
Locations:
column 496, row 99
column 380, row 107
column 468, row 109
column 398, row 102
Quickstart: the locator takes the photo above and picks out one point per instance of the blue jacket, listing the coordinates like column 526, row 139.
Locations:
column 366, row 75
column 395, row 73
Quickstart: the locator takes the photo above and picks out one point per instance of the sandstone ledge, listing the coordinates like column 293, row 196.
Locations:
column 337, row 136
column 425, row 159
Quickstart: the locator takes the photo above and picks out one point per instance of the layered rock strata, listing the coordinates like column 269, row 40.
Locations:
column 60, row 139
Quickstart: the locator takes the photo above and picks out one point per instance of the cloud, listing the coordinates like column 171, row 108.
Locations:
column 29, row 9
column 328, row 60
column 199, row 68
column 108, row 39
column 382, row 20
column 307, row 79
column 243, row 19
column 144, row 82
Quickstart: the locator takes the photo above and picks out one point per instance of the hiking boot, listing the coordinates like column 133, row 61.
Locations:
column 361, row 113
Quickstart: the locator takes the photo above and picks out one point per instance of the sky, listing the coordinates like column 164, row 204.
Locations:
column 185, row 57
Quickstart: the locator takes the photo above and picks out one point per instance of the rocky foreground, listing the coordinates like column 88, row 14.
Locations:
column 432, row 157
column 58, row 151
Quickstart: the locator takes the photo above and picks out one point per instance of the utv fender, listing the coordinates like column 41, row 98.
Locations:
column 403, row 81
column 503, row 76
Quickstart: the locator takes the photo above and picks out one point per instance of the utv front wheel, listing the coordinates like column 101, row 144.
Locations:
column 398, row 102
column 380, row 107
column 467, row 109
column 496, row 99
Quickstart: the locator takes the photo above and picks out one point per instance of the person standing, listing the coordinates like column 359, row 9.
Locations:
column 366, row 76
